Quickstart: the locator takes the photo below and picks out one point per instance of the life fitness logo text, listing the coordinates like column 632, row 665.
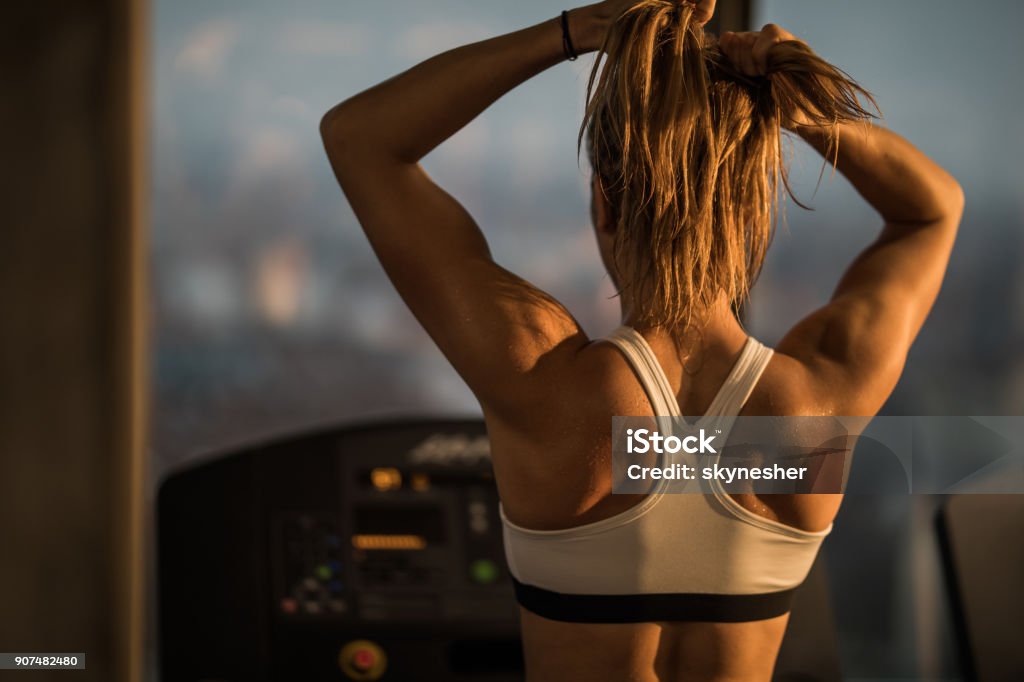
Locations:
column 448, row 449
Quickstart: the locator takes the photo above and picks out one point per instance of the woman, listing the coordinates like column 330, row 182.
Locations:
column 683, row 132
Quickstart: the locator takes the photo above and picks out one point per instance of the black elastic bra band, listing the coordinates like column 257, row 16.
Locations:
column 570, row 51
column 652, row 608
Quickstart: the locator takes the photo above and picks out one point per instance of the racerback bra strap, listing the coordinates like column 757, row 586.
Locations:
column 729, row 400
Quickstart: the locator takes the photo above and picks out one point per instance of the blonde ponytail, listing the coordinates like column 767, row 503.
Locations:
column 688, row 152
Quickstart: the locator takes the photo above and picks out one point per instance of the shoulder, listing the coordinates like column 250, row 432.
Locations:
column 786, row 387
column 851, row 352
column 577, row 385
column 607, row 382
column 811, row 384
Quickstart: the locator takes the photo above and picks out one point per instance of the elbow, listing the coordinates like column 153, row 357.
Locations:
column 327, row 126
column 349, row 139
column 949, row 197
column 956, row 199
column 941, row 204
column 341, row 140
column 333, row 132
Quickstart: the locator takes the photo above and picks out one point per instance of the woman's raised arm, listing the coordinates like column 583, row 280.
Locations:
column 491, row 325
column 860, row 339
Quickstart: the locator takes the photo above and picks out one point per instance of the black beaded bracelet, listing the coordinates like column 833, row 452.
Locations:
column 570, row 51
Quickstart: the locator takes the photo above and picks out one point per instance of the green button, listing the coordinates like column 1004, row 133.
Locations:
column 323, row 571
column 483, row 571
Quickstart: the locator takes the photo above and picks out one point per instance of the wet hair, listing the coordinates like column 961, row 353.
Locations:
column 688, row 152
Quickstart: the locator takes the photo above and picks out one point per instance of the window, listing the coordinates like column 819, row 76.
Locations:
column 271, row 315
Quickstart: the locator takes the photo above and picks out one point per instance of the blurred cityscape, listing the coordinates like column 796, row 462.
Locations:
column 271, row 313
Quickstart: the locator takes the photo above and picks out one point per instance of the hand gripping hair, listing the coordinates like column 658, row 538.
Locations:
column 688, row 153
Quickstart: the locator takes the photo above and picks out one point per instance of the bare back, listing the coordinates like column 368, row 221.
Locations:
column 599, row 385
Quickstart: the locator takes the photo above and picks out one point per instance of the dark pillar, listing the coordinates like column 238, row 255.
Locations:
column 732, row 15
column 72, row 301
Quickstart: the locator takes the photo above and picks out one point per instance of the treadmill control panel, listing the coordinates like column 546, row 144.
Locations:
column 366, row 553
column 418, row 539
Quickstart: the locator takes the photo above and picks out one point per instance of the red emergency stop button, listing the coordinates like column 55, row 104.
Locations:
column 362, row 659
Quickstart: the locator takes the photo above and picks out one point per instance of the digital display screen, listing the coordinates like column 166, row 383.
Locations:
column 422, row 521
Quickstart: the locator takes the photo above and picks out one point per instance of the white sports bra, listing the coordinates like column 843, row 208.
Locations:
column 672, row 557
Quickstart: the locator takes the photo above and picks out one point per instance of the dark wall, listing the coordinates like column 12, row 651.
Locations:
column 71, row 333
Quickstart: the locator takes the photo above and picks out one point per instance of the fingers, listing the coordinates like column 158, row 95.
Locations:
column 704, row 10
column 739, row 49
column 748, row 51
column 770, row 36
